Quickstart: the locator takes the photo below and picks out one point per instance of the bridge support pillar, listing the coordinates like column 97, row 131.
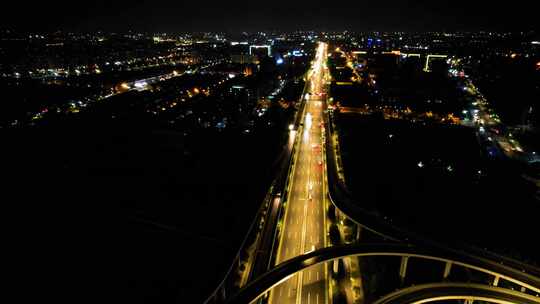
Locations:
column 447, row 269
column 496, row 281
column 523, row 289
column 223, row 294
column 469, row 301
column 335, row 267
column 403, row 268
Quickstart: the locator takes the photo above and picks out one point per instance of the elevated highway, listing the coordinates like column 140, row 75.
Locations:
column 287, row 269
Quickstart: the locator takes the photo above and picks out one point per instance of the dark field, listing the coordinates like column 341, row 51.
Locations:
column 434, row 180
column 124, row 210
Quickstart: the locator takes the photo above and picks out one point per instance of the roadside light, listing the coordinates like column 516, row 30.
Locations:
column 196, row 90
column 291, row 127
column 125, row 86
column 175, row 73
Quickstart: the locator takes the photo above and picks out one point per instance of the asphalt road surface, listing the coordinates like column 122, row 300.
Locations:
column 304, row 223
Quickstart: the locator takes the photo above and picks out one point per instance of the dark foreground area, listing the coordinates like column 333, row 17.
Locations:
column 124, row 211
column 434, row 180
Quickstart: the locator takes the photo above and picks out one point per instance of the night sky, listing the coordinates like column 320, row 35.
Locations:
column 234, row 15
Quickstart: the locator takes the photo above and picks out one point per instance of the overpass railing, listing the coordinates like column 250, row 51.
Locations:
column 289, row 268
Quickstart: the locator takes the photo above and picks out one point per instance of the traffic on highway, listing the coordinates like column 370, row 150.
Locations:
column 304, row 222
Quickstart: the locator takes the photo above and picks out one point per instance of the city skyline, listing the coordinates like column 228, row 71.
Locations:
column 271, row 153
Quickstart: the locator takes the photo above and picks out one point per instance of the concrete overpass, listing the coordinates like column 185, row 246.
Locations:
column 289, row 268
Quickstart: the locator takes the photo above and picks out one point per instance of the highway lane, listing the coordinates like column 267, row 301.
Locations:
column 304, row 223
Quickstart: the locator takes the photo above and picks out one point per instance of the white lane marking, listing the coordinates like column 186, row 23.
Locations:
column 289, row 292
column 317, row 298
column 308, row 296
column 309, row 277
column 280, row 290
column 317, row 275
